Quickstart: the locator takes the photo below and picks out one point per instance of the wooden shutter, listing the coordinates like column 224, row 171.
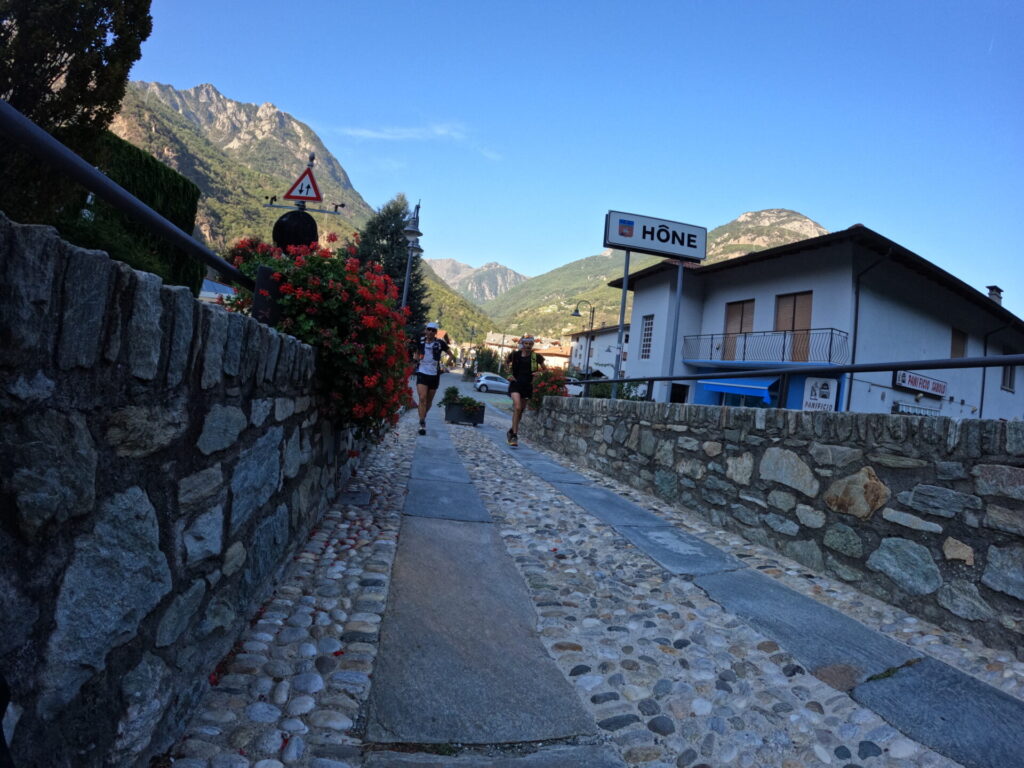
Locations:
column 793, row 315
column 739, row 318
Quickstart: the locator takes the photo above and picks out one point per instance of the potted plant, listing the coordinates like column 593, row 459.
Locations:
column 461, row 408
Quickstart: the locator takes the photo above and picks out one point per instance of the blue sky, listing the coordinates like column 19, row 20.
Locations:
column 520, row 124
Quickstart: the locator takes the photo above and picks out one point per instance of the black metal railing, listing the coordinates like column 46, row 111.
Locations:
column 815, row 345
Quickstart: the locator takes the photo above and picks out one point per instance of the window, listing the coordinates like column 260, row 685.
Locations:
column 958, row 345
column 793, row 316
column 646, row 334
column 1009, row 374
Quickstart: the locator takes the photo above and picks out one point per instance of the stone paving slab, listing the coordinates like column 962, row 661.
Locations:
column 831, row 645
column 608, row 507
column 444, row 468
column 435, row 457
column 548, row 757
column 678, row 552
column 550, row 472
column 951, row 712
column 460, row 659
column 445, row 500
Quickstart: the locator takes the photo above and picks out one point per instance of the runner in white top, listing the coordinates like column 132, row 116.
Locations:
column 428, row 373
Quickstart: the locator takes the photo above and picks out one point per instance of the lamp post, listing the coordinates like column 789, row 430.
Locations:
column 590, row 330
column 412, row 234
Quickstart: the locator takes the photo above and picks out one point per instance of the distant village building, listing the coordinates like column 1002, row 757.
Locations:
column 848, row 297
column 211, row 291
column 594, row 351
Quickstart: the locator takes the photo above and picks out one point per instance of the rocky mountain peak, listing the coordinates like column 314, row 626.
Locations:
column 757, row 230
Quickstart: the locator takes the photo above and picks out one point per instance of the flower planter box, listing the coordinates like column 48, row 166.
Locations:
column 456, row 414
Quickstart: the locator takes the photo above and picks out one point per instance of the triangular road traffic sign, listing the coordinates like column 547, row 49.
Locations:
column 305, row 188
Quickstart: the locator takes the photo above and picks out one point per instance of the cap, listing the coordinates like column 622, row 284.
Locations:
column 432, row 325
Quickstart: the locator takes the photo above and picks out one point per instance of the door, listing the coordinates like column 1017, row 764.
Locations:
column 793, row 315
column 739, row 319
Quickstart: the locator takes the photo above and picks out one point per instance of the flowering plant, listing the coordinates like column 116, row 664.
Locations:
column 452, row 397
column 547, row 382
column 348, row 312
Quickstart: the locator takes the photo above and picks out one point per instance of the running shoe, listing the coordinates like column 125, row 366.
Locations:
column 513, row 438
column 423, row 427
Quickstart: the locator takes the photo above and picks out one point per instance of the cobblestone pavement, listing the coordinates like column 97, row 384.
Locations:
column 671, row 678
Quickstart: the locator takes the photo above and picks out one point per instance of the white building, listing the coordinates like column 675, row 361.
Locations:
column 848, row 297
column 594, row 350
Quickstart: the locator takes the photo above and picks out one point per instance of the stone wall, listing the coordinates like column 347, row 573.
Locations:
column 925, row 513
column 160, row 459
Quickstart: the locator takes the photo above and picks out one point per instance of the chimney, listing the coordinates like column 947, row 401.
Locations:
column 995, row 293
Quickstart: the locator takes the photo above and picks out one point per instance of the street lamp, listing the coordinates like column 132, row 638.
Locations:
column 576, row 313
column 412, row 234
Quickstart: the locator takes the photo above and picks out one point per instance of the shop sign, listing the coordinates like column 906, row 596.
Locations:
column 820, row 394
column 915, row 382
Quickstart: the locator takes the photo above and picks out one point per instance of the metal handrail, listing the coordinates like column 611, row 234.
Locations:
column 990, row 361
column 44, row 146
column 829, row 345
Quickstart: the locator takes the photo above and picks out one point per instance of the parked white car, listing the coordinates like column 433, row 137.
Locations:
column 573, row 387
column 490, row 382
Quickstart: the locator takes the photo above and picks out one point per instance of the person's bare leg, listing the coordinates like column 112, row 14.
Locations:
column 425, row 397
column 517, row 411
column 422, row 393
column 430, row 401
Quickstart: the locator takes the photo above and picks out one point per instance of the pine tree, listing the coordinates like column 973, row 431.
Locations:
column 382, row 240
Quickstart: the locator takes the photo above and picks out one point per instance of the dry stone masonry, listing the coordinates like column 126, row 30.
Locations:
column 925, row 513
column 160, row 459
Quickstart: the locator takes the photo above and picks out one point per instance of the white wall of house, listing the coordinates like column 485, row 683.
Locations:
column 764, row 281
column 655, row 297
column 904, row 316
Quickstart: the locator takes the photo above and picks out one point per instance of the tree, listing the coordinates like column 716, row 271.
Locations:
column 64, row 64
column 382, row 241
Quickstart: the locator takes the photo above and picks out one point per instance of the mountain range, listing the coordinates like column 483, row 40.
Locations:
column 478, row 284
column 240, row 155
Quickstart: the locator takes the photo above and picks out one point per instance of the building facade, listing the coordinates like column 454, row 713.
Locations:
column 593, row 351
column 852, row 296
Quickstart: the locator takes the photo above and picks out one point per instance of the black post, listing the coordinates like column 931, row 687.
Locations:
column 783, row 390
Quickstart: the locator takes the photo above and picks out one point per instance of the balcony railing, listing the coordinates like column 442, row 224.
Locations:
column 815, row 345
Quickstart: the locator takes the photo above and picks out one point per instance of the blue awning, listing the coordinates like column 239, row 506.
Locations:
column 755, row 387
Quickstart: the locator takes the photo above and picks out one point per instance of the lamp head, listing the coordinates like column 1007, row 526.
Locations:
column 576, row 312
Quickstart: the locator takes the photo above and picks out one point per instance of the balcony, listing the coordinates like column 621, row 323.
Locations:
column 816, row 345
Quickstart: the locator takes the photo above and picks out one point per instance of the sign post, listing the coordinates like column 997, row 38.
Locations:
column 673, row 239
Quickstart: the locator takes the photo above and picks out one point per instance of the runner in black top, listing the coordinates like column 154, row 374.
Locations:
column 522, row 364
column 428, row 372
